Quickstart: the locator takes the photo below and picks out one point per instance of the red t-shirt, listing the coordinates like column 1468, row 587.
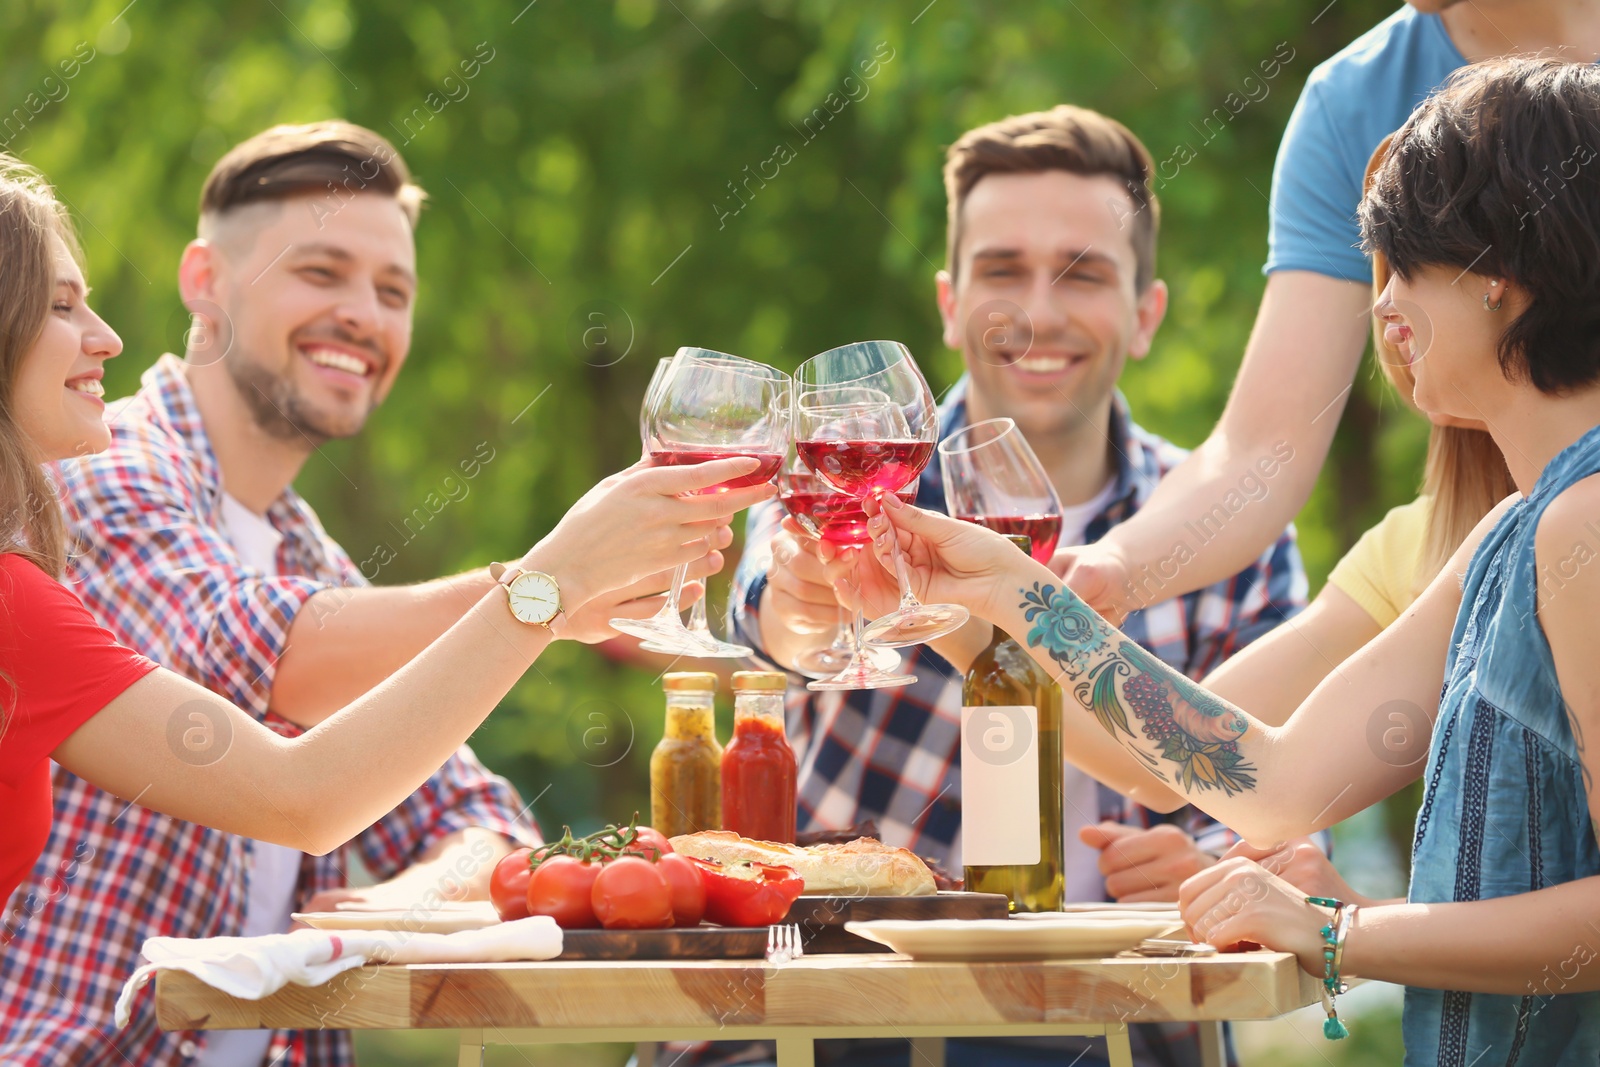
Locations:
column 61, row 667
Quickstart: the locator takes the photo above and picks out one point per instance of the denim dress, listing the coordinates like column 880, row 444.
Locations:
column 1505, row 810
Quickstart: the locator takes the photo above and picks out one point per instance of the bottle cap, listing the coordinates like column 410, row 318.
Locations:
column 699, row 681
column 1021, row 541
column 743, row 681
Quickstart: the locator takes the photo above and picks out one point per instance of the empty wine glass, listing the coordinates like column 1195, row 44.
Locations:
column 710, row 405
column 864, row 446
column 837, row 518
column 993, row 479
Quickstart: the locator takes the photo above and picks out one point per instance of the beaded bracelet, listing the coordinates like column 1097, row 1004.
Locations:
column 1333, row 935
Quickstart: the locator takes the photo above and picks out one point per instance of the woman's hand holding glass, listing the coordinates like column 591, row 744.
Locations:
column 702, row 404
column 640, row 522
column 945, row 559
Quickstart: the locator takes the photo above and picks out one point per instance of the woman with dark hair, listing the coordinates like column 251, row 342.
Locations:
column 1369, row 588
column 1487, row 208
column 69, row 692
column 1389, row 567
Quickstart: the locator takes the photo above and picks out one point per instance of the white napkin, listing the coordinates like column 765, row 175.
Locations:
column 254, row 967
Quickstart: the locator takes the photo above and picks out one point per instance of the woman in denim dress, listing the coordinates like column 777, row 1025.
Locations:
column 1488, row 209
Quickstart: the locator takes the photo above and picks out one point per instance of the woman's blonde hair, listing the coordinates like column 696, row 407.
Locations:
column 31, row 220
column 1465, row 474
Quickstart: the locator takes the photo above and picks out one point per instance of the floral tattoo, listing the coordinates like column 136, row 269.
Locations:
column 1186, row 725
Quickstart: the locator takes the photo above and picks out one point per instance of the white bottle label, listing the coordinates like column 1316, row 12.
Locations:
column 1000, row 786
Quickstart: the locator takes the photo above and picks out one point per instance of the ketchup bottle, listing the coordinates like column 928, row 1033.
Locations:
column 758, row 772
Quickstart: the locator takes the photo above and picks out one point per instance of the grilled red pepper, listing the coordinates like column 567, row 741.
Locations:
column 748, row 894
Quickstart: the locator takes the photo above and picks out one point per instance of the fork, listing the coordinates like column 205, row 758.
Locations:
column 784, row 944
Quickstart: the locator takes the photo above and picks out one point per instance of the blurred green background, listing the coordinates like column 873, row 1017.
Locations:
column 582, row 223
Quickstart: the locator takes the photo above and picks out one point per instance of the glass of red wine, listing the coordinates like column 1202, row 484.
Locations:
column 866, row 423
column 703, row 406
column 699, row 626
column 993, row 479
column 829, row 515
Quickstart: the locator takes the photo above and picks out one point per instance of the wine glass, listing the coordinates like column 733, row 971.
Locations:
column 869, row 445
column 993, row 479
column 710, row 405
column 698, row 624
column 837, row 518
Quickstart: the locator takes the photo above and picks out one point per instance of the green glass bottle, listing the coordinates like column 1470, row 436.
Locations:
column 1004, row 676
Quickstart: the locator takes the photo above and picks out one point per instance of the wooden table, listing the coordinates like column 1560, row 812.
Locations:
column 794, row 1004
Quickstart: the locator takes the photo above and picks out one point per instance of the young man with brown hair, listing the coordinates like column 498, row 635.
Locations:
column 1050, row 289
column 196, row 551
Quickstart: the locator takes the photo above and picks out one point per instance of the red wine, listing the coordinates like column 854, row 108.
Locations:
column 859, row 467
column 1042, row 530
column 676, row 457
column 833, row 516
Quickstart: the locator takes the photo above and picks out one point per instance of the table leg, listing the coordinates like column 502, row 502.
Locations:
column 1119, row 1053
column 471, row 1052
column 927, row 1052
column 644, row 1053
column 1213, row 1050
column 798, row 1052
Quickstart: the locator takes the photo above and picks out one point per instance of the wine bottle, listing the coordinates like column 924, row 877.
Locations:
column 1011, row 776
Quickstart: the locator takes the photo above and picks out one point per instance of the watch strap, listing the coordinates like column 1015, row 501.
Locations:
column 505, row 573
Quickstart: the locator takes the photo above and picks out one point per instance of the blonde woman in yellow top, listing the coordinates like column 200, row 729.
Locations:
column 1389, row 567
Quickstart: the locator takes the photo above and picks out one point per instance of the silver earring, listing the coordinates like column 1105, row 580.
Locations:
column 1494, row 306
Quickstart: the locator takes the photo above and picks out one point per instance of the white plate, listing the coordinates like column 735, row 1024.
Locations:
column 442, row 919
column 1002, row 939
column 1107, row 913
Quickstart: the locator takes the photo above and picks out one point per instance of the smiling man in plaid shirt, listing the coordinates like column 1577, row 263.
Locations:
column 1051, row 288
column 195, row 550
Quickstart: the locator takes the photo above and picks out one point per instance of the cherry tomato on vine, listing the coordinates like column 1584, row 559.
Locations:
column 687, row 887
column 650, row 843
column 630, row 894
column 508, row 885
column 561, row 887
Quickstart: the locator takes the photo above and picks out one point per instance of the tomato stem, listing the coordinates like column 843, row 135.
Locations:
column 604, row 845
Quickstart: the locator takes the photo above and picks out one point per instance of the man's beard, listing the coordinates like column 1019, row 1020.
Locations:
column 278, row 408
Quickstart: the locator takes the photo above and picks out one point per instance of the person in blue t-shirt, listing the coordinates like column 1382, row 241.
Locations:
column 1313, row 321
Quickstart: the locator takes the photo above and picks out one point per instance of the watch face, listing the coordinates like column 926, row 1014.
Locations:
column 534, row 597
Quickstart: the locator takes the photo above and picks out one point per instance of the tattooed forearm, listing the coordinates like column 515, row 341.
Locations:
column 1178, row 721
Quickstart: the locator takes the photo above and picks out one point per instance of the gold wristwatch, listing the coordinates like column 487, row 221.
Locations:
column 533, row 596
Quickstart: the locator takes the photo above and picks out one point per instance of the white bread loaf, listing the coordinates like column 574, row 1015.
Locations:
column 863, row 867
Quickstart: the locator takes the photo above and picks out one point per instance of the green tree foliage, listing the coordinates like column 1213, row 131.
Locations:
column 616, row 178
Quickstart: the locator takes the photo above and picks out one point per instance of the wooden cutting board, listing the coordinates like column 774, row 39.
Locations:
column 822, row 918
column 690, row 943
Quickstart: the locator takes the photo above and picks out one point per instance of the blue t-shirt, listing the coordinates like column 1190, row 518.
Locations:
column 1348, row 106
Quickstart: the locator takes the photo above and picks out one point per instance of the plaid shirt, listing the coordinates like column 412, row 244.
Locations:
column 159, row 572
column 893, row 754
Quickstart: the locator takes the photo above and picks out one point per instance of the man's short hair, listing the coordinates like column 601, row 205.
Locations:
column 1497, row 173
column 1069, row 138
column 331, row 159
